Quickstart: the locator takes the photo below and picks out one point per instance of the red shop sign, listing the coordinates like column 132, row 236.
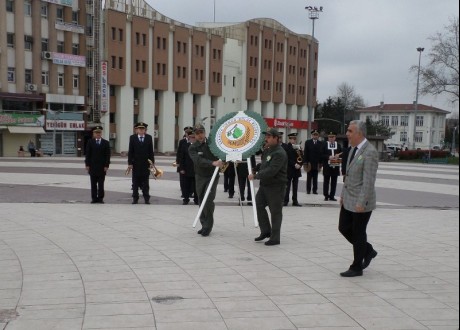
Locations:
column 292, row 124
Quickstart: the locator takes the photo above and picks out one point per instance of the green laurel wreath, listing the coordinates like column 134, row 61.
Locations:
column 236, row 133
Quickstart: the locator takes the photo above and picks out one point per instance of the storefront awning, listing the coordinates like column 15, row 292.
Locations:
column 26, row 130
column 22, row 97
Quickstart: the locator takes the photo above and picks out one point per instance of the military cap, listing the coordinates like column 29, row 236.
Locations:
column 141, row 125
column 332, row 134
column 272, row 132
column 199, row 128
column 98, row 129
column 188, row 128
column 293, row 135
column 315, row 132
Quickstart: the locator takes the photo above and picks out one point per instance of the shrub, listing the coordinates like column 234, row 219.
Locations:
column 420, row 154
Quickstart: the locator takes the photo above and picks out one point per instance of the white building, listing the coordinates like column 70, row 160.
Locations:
column 427, row 125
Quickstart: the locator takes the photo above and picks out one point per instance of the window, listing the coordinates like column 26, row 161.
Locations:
column 144, row 39
column 45, row 78
column 10, row 40
column 120, row 63
column 61, row 79
column 114, row 34
column 385, row 120
column 44, row 45
column 60, row 46
column 179, row 45
column 419, row 121
column 44, row 10
column 11, row 75
column 120, row 34
column 28, row 42
column 419, row 137
column 144, row 66
column 10, row 6
column 185, row 47
column 28, row 76
column 158, row 42
column 27, row 8
column 394, row 121
column 75, row 49
column 405, row 121
column 75, row 17
column 59, row 14
column 158, row 68
column 138, row 38
column 164, row 69
column 137, row 65
column 403, row 137
column 164, row 43
column 76, row 80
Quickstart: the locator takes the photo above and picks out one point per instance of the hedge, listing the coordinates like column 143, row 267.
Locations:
column 420, row 154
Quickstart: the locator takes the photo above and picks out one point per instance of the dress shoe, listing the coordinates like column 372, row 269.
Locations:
column 368, row 258
column 333, row 199
column 185, row 202
column 199, row 231
column 205, row 233
column 147, row 202
column 135, row 201
column 296, row 204
column 196, row 202
column 262, row 237
column 271, row 243
column 352, row 273
column 230, row 196
column 101, row 201
column 249, row 203
column 94, row 202
column 326, row 199
column 285, row 204
column 315, row 193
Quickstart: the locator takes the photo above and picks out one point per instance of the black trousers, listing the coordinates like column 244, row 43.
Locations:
column 190, row 189
column 353, row 227
column 142, row 182
column 229, row 181
column 330, row 185
column 97, row 187
column 243, row 182
column 294, row 182
column 312, row 180
column 182, row 182
column 271, row 197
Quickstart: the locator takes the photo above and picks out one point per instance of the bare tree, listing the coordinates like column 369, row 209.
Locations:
column 350, row 99
column 441, row 75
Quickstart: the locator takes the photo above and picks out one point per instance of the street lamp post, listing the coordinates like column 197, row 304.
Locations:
column 420, row 50
column 313, row 15
column 453, row 141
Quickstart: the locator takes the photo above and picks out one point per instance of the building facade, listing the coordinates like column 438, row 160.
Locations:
column 427, row 125
column 45, row 65
column 171, row 75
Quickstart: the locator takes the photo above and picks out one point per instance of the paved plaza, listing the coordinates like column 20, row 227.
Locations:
column 66, row 264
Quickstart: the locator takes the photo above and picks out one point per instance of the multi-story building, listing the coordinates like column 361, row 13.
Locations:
column 171, row 75
column 67, row 64
column 45, row 74
column 426, row 124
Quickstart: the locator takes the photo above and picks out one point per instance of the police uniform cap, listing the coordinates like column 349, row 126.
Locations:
column 98, row 129
column 332, row 134
column 141, row 125
column 188, row 128
column 293, row 135
column 315, row 132
column 199, row 128
column 273, row 132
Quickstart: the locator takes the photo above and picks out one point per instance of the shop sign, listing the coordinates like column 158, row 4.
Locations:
column 68, row 3
column 291, row 124
column 65, row 125
column 104, row 87
column 13, row 119
column 68, row 59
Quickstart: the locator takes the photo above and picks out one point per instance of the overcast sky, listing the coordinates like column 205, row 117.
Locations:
column 369, row 44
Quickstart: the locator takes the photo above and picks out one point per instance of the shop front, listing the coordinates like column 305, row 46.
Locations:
column 64, row 134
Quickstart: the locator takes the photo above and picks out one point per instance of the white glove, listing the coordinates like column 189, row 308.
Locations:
column 298, row 167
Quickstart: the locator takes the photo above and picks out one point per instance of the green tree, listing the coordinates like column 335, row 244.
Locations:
column 377, row 128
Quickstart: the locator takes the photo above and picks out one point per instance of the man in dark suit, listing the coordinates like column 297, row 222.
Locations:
column 294, row 170
column 312, row 161
column 330, row 155
column 182, row 149
column 139, row 154
column 187, row 170
column 243, row 181
column 97, row 163
column 358, row 198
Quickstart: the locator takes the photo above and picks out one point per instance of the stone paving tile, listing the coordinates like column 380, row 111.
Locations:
column 192, row 326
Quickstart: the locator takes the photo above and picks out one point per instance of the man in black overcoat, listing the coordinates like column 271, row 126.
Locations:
column 312, row 161
column 139, row 154
column 182, row 149
column 331, row 155
column 97, row 162
column 294, row 170
column 187, row 170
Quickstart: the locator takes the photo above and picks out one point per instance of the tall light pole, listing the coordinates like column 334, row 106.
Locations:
column 420, row 50
column 313, row 15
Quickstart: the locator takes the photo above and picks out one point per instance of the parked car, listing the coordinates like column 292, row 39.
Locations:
column 436, row 147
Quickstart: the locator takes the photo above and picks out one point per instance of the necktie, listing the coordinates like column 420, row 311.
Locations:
column 355, row 149
column 98, row 142
column 142, row 140
column 314, row 141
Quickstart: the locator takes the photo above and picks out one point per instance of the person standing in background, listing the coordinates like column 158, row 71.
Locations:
column 97, row 161
column 294, row 170
column 312, row 162
column 331, row 166
column 32, row 149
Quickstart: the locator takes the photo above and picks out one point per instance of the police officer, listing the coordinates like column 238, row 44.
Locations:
column 273, row 180
column 205, row 163
column 312, row 161
column 294, row 170
column 182, row 149
column 331, row 171
column 139, row 154
column 187, row 170
column 97, row 161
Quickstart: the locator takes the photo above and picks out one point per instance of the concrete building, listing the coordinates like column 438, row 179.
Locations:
column 46, row 78
column 171, row 75
column 430, row 123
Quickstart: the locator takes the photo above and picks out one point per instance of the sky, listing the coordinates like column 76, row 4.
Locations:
column 368, row 44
